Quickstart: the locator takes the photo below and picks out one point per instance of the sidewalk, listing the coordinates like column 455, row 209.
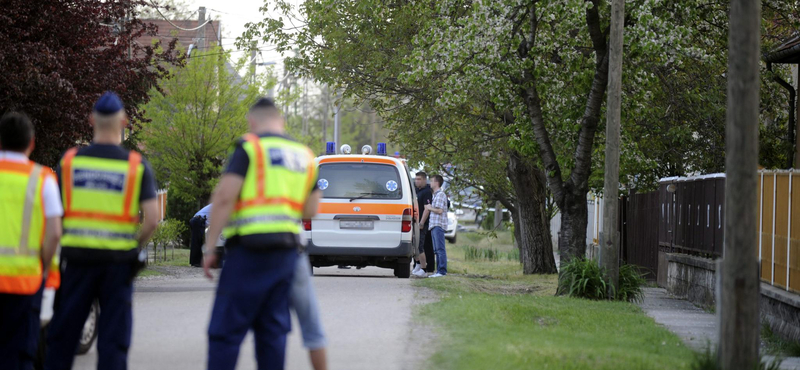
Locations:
column 696, row 327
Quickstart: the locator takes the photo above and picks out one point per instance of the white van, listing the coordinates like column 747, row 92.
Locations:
column 368, row 215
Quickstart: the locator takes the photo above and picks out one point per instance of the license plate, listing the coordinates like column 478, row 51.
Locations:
column 357, row 225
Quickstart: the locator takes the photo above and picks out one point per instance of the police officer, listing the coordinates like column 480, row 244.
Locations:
column 197, row 226
column 30, row 225
column 268, row 187
column 103, row 188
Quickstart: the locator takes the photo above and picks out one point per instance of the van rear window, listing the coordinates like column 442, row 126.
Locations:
column 360, row 180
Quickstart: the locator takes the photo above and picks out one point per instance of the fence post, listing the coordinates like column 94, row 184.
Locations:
column 774, row 213
column 760, row 221
column 789, row 233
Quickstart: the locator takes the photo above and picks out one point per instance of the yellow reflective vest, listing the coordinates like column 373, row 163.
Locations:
column 22, row 225
column 101, row 201
column 279, row 179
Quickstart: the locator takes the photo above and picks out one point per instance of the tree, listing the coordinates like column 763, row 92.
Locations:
column 196, row 115
column 473, row 138
column 58, row 57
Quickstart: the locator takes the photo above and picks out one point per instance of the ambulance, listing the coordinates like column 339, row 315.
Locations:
column 368, row 215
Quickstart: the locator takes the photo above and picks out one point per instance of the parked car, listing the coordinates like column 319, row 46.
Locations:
column 452, row 227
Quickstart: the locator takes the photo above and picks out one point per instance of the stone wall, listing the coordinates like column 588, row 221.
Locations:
column 781, row 310
column 694, row 279
column 691, row 278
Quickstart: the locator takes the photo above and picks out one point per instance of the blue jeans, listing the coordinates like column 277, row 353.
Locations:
column 437, row 233
column 253, row 293
column 304, row 302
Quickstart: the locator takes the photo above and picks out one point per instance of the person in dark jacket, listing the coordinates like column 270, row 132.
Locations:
column 197, row 227
column 424, row 196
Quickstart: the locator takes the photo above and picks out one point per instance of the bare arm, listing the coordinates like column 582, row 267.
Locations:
column 312, row 204
column 52, row 234
column 150, row 222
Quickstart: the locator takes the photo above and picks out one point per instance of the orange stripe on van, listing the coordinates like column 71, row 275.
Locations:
column 357, row 159
column 366, row 208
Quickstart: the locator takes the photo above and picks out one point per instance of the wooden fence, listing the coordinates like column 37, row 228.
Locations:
column 692, row 219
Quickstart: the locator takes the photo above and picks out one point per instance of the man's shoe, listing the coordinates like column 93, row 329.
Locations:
column 436, row 275
column 420, row 273
column 416, row 268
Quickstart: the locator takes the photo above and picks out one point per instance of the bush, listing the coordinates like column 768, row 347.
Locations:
column 182, row 211
column 168, row 232
column 582, row 278
column 631, row 282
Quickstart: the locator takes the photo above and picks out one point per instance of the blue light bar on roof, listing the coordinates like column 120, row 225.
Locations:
column 381, row 148
column 330, row 148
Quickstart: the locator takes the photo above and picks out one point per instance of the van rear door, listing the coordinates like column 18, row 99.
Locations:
column 361, row 206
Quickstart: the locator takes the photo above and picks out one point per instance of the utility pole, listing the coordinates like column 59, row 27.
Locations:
column 326, row 101
column 738, row 304
column 336, row 122
column 609, row 246
column 253, row 49
column 305, row 107
column 201, row 32
column 498, row 215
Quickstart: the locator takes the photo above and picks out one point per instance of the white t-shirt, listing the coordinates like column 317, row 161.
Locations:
column 50, row 194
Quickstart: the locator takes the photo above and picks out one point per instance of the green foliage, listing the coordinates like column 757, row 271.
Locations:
column 195, row 116
column 472, row 253
column 182, row 211
column 168, row 233
column 631, row 282
column 583, row 278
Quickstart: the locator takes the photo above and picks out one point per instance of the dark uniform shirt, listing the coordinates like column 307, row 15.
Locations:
column 238, row 164
column 424, row 196
column 148, row 192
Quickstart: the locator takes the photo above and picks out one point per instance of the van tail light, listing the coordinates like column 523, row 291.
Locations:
column 307, row 225
column 407, row 220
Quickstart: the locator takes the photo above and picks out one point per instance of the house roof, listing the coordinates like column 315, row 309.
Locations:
column 787, row 53
column 166, row 32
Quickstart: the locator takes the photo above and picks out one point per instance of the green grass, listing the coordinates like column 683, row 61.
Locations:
column 149, row 272
column 181, row 258
column 496, row 318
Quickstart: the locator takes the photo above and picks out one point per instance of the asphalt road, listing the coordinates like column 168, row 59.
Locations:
column 367, row 315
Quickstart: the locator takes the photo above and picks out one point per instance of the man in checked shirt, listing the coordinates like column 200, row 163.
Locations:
column 438, row 224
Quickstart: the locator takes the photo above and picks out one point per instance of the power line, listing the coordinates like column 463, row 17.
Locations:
column 175, row 25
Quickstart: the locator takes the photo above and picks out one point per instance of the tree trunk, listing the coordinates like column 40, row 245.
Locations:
column 533, row 226
column 574, row 219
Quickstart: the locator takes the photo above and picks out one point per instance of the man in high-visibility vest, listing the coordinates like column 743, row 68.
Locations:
column 268, row 187
column 103, row 187
column 30, row 225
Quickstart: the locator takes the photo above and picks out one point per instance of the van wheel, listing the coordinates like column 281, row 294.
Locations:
column 403, row 269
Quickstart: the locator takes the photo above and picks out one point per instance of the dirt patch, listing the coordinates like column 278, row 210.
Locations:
column 423, row 333
column 514, row 289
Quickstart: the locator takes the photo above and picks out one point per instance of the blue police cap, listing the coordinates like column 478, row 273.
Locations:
column 109, row 103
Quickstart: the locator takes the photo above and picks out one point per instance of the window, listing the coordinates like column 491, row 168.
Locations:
column 360, row 180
